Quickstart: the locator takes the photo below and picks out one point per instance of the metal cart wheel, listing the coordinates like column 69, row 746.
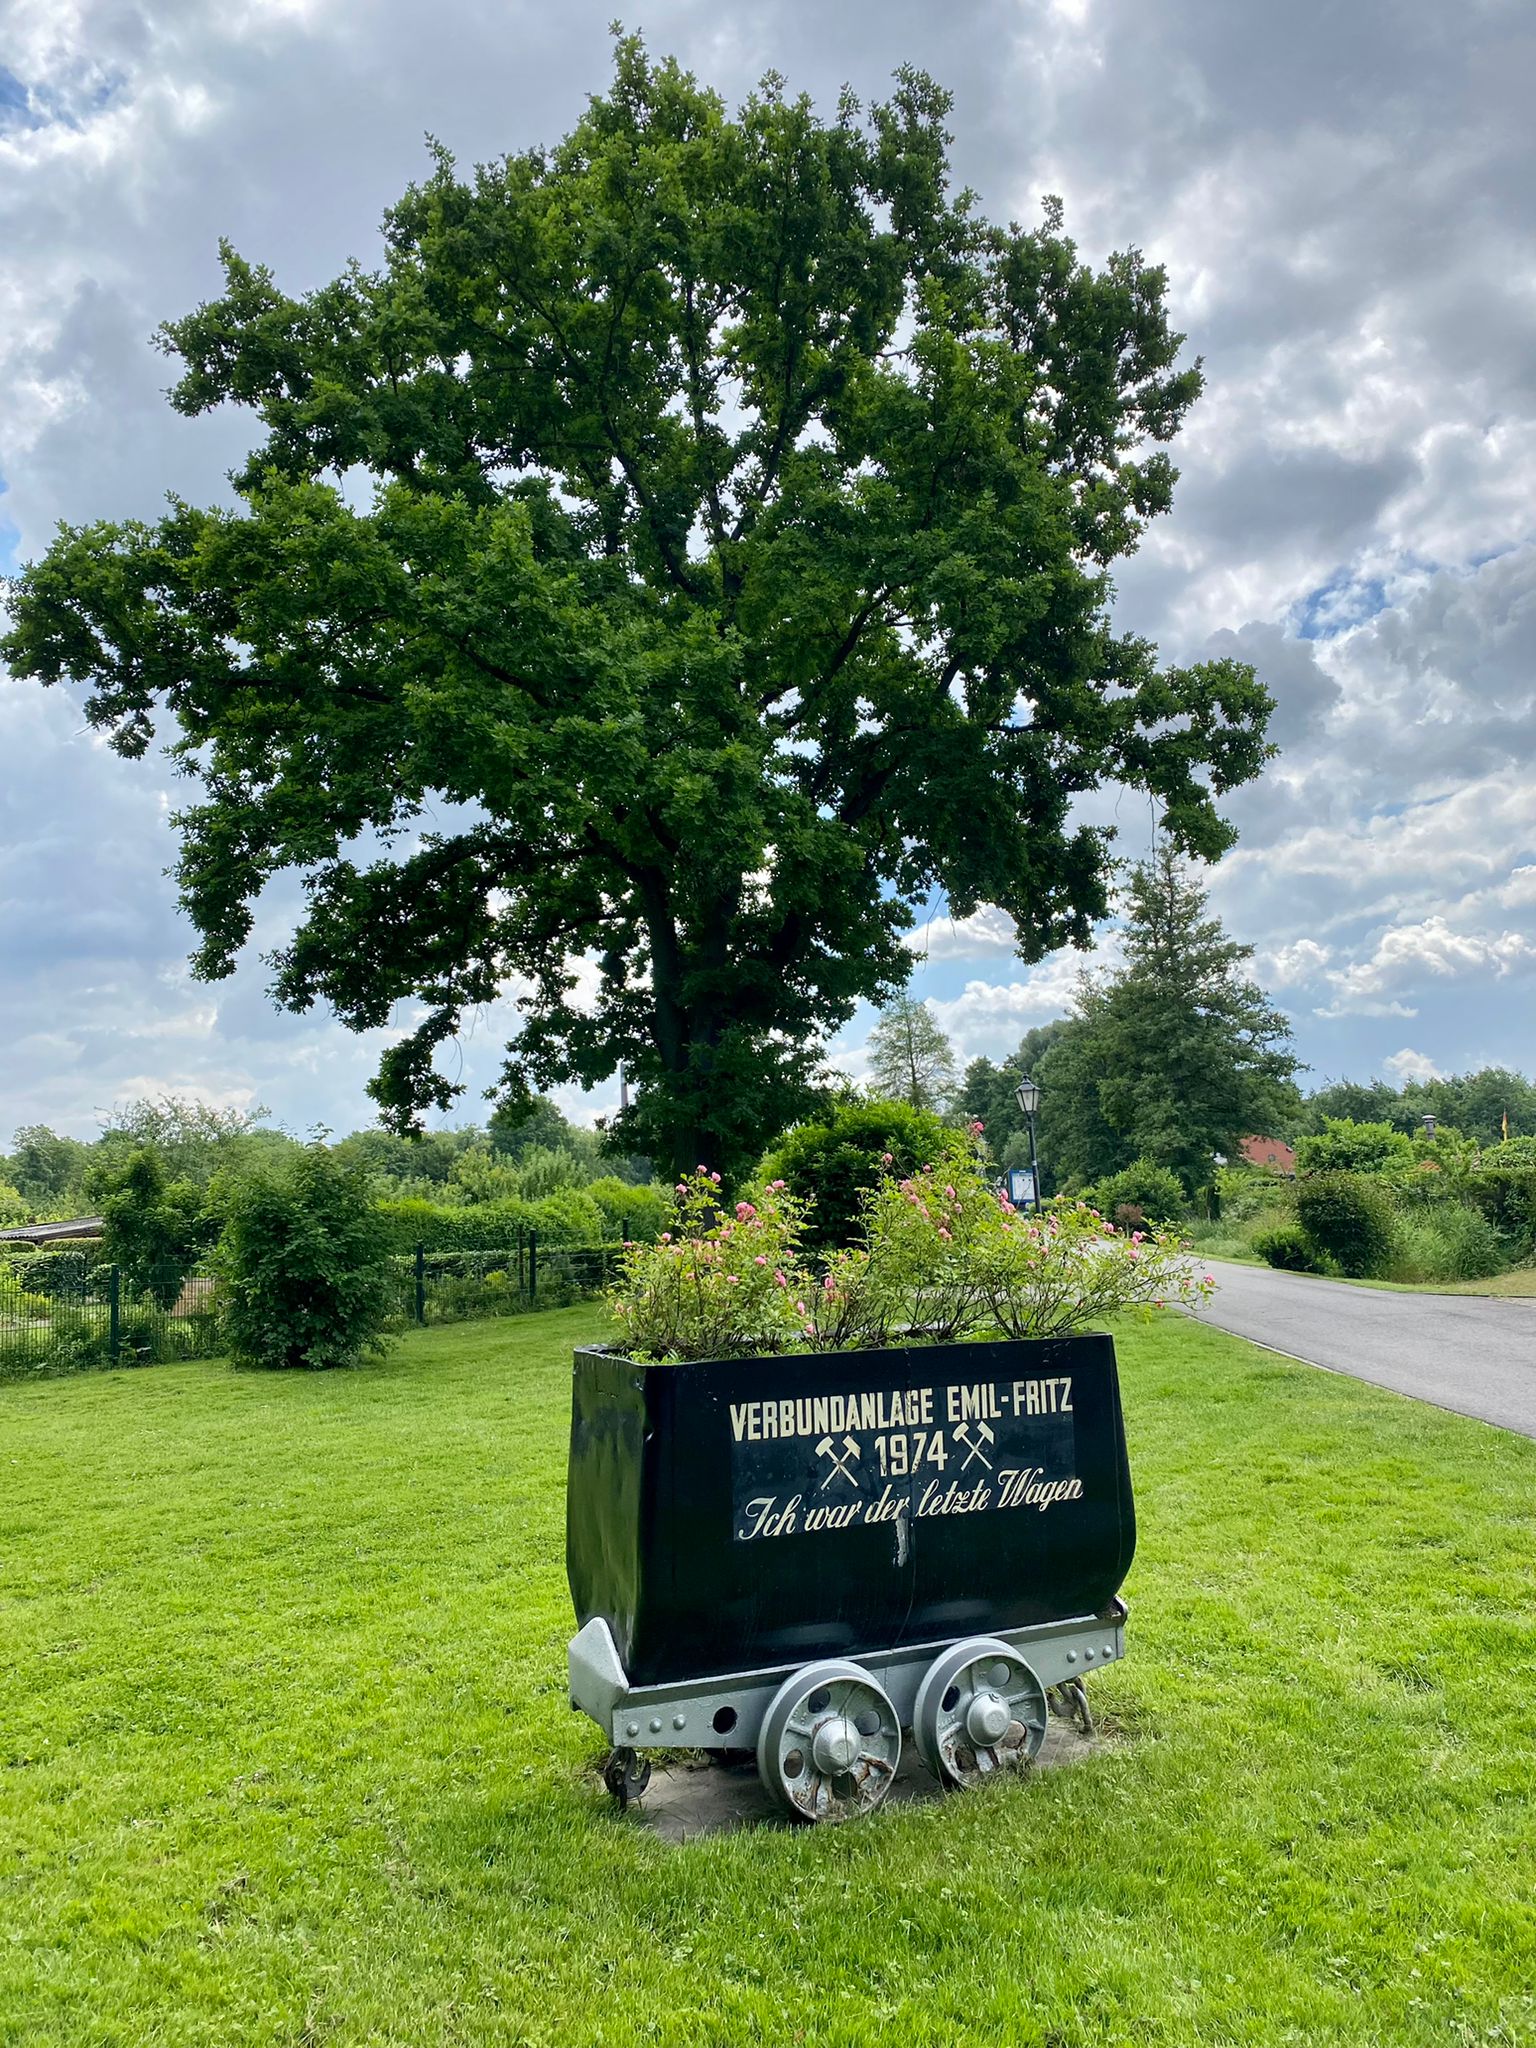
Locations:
column 626, row 1775
column 979, row 1709
column 830, row 1742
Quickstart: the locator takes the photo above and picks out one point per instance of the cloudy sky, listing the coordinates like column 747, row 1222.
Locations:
column 1343, row 195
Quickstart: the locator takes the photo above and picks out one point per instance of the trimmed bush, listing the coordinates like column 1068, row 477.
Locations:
column 1288, row 1248
column 638, row 1214
column 302, row 1262
column 832, row 1165
column 1143, row 1185
column 1349, row 1219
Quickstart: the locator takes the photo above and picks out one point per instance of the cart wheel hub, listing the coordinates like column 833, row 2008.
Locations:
column 988, row 1719
column 836, row 1744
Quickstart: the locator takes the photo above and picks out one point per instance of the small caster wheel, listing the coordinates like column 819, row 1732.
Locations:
column 626, row 1775
column 830, row 1743
column 979, row 1709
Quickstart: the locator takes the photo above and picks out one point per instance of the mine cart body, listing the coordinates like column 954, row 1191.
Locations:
column 731, row 1521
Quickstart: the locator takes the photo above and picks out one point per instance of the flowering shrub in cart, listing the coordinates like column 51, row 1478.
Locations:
column 943, row 1258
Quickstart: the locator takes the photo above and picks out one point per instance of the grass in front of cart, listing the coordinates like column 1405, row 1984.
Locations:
column 285, row 1755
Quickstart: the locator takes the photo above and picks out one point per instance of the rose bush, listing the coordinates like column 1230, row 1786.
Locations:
column 943, row 1259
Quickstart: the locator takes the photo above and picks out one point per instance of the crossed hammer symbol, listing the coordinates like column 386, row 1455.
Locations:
column 974, row 1451
column 841, row 1464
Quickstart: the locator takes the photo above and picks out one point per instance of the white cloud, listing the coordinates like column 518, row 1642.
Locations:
column 987, row 930
column 1405, row 954
column 1409, row 1065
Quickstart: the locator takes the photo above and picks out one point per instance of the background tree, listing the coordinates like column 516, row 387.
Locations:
column 987, row 1093
column 1178, row 1054
column 47, row 1169
column 735, row 580
column 192, row 1140
column 910, row 1058
column 156, row 1228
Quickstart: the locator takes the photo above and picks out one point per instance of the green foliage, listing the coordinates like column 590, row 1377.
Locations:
column 1516, row 1152
column 1143, row 1185
column 528, row 1124
column 723, row 1284
column 910, row 1059
column 939, row 1254
column 45, row 1168
column 1452, row 1243
column 831, row 1166
column 1244, row 1192
column 14, row 1206
column 735, row 575
column 987, row 1097
column 1288, row 1247
column 301, row 1262
column 192, row 1141
column 568, row 1217
column 1350, row 1219
column 1477, row 1104
column 1344, row 1146
column 1174, row 1057
column 639, row 1213
column 156, row 1229
column 1506, row 1196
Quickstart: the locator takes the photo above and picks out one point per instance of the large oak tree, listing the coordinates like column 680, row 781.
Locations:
column 685, row 553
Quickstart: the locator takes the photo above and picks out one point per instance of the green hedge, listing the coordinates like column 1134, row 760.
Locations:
column 568, row 1217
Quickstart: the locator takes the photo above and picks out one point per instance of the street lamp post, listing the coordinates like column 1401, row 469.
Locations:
column 1027, row 1096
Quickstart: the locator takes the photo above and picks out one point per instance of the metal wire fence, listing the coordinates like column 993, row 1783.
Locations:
column 67, row 1311
column 71, row 1310
column 450, row 1287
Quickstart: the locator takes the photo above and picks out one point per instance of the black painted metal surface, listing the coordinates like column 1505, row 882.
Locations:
column 726, row 1516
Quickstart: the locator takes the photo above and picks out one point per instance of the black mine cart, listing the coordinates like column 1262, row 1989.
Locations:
column 806, row 1555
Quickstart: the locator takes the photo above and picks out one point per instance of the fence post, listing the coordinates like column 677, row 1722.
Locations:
column 114, row 1314
column 421, row 1283
column 533, row 1266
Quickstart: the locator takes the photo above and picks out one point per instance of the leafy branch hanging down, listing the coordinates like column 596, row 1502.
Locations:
column 705, row 524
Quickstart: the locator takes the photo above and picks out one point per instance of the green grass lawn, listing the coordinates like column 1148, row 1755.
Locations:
column 285, row 1755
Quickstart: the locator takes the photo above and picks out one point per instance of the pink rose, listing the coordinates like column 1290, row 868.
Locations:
column 761, row 1259
column 744, row 1210
column 779, row 1280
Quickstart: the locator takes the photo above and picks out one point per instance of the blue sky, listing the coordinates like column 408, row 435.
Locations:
column 1343, row 199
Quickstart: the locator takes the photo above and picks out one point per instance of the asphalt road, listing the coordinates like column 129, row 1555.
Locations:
column 1473, row 1354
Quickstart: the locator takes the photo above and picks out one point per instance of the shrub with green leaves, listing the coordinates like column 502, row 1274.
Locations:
column 1350, row 1219
column 1288, row 1248
column 940, row 1254
column 1143, row 1185
column 831, row 1166
column 302, row 1263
